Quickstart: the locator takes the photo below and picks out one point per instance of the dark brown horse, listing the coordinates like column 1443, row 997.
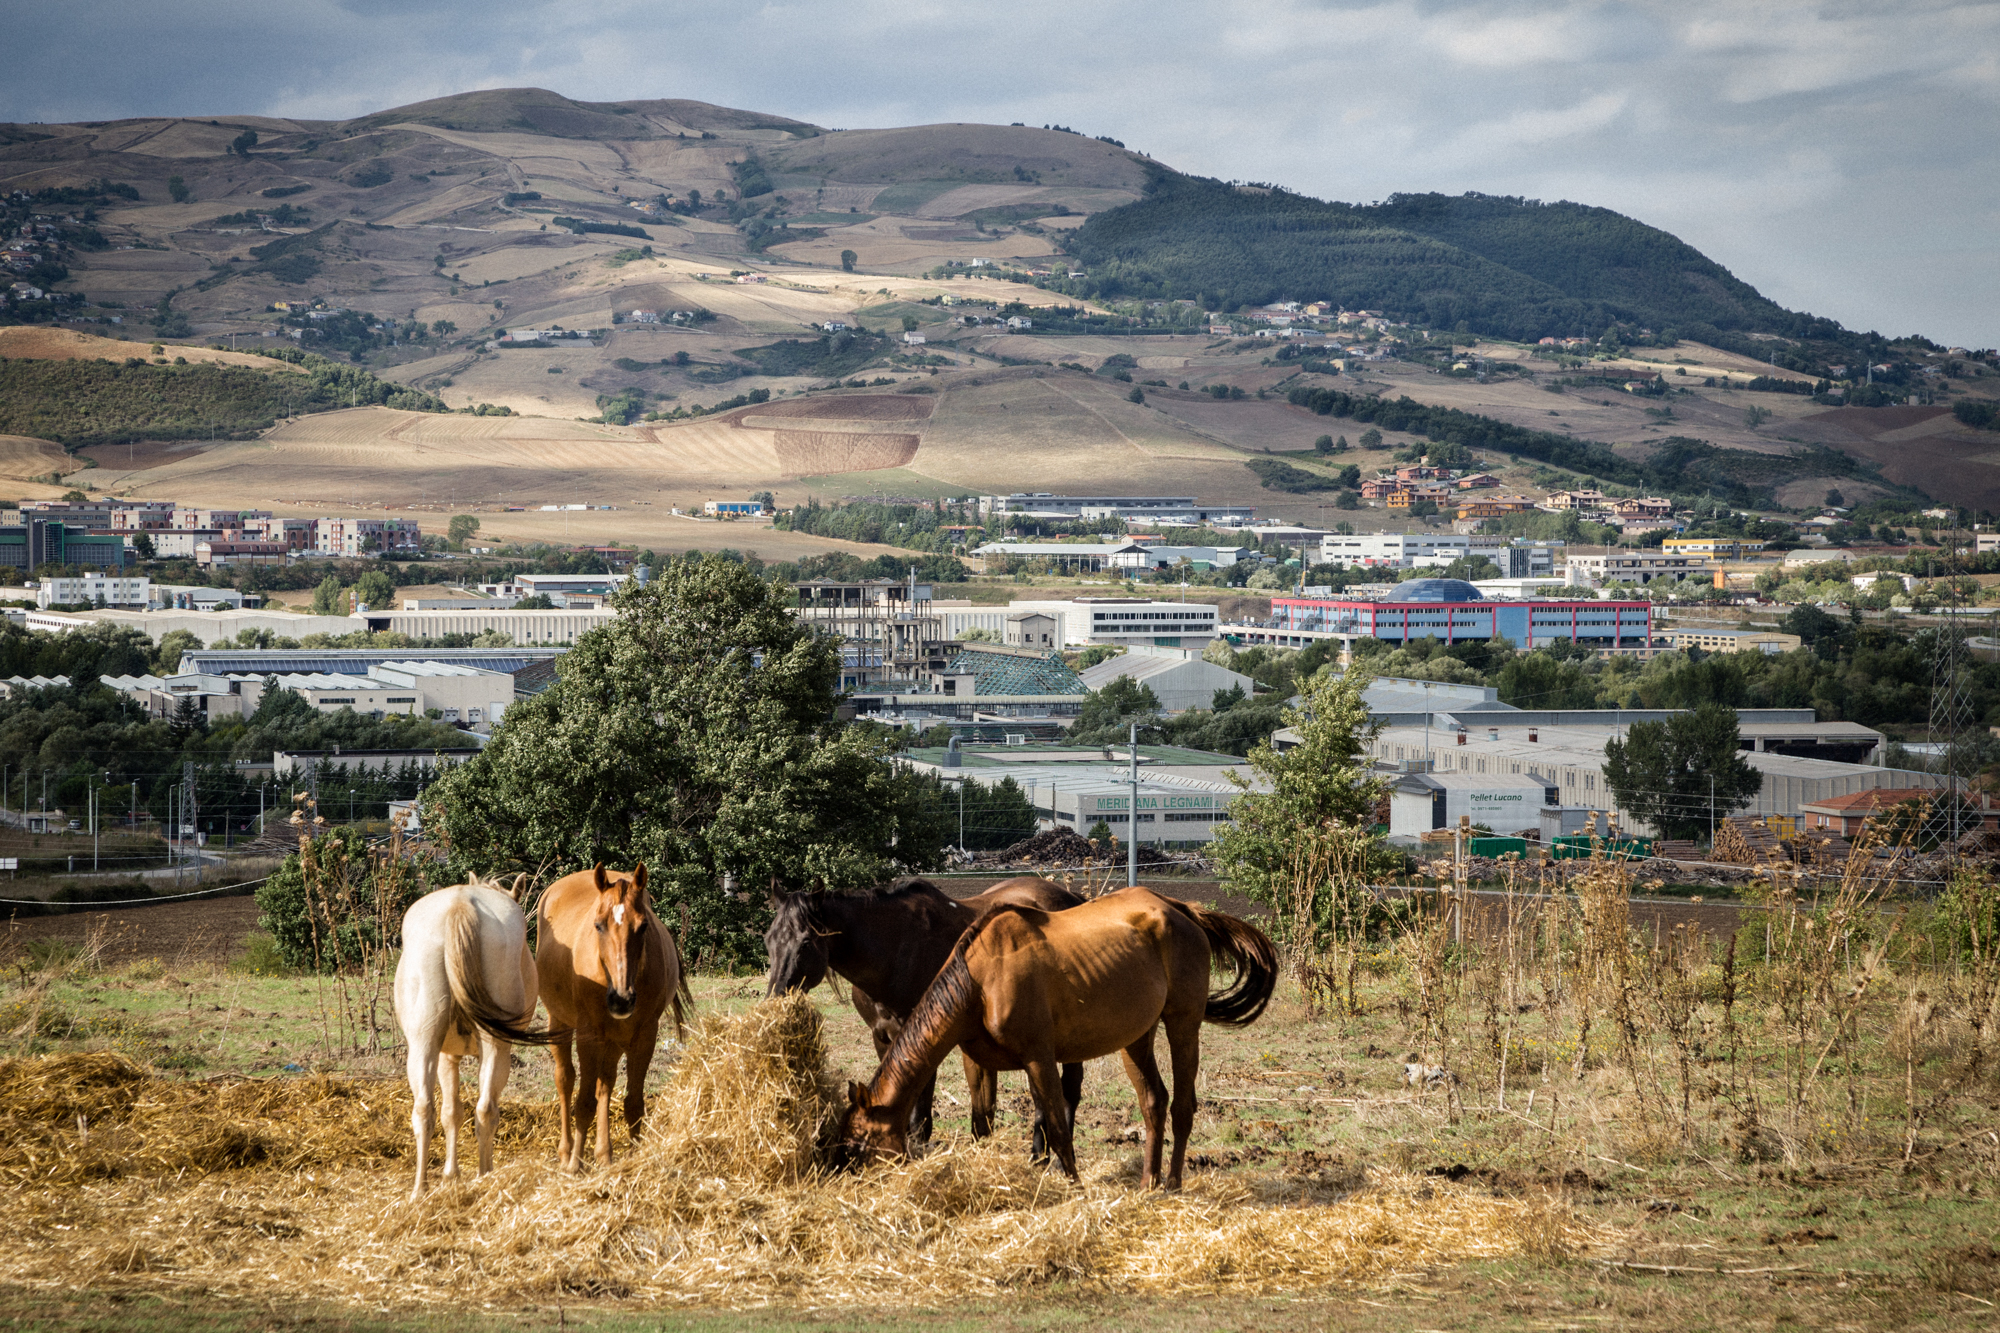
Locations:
column 888, row 945
column 609, row 971
column 1025, row 989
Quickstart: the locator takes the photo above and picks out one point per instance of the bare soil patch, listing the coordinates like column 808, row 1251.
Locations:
column 198, row 930
column 1842, row 424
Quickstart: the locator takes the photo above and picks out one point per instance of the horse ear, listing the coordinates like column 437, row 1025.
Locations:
column 598, row 871
column 855, row 1095
column 639, row 876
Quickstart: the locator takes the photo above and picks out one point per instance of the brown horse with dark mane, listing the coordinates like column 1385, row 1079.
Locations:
column 1025, row 989
column 889, row 945
column 609, row 971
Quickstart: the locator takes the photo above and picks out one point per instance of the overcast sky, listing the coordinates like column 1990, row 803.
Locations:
column 1841, row 157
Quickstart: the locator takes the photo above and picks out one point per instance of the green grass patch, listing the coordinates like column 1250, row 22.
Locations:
column 1277, row 475
column 904, row 196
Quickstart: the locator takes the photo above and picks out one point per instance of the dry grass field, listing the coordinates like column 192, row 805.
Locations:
column 39, row 342
column 903, row 245
column 976, row 433
column 24, row 459
column 1631, row 1129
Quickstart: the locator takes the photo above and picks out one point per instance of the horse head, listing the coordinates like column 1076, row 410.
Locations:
column 621, row 918
column 870, row 1133
column 795, row 945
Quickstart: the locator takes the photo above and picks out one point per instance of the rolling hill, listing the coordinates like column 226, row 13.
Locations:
column 418, row 233
column 1510, row 268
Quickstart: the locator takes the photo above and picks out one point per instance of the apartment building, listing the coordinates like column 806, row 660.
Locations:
column 366, row 536
column 1520, row 558
column 1712, row 548
column 93, row 590
column 1730, row 640
column 1598, row 568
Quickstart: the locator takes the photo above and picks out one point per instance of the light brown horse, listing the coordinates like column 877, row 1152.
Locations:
column 889, row 944
column 1026, row 989
column 609, row 970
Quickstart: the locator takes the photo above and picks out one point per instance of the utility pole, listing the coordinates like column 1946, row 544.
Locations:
column 1711, row 814
column 1132, row 827
column 1460, row 834
column 1427, row 726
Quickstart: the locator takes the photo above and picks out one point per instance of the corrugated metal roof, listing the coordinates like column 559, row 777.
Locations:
column 1015, row 673
column 354, row 661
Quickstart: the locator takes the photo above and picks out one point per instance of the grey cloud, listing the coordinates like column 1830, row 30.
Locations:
column 1838, row 156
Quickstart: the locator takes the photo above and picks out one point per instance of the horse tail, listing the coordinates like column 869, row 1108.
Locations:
column 682, row 998
column 1255, row 959
column 466, row 978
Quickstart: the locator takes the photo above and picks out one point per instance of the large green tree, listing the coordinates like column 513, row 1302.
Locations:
column 695, row 733
column 1668, row 773
column 329, row 598
column 1542, row 679
column 377, row 589
column 1319, row 789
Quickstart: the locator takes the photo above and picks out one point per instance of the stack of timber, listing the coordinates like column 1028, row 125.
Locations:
column 1745, row 842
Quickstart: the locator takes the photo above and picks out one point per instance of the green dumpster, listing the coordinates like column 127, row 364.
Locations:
column 1496, row 846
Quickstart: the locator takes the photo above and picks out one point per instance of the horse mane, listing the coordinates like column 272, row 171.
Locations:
column 943, row 1000
column 808, row 902
column 908, row 888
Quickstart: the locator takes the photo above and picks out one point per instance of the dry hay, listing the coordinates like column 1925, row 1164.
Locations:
column 864, row 407
column 726, row 1203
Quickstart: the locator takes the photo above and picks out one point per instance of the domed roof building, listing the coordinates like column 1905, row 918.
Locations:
column 1434, row 590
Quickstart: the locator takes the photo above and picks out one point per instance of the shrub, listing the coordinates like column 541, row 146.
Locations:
column 335, row 903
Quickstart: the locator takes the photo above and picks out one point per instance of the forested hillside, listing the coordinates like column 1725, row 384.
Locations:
column 84, row 402
column 1506, row 267
column 1677, row 465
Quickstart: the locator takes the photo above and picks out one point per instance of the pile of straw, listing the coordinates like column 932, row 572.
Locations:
column 726, row 1203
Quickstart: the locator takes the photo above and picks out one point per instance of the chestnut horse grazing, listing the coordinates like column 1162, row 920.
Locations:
column 889, row 946
column 1025, row 989
column 609, row 971
column 465, row 979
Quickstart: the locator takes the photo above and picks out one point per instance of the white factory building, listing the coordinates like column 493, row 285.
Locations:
column 1178, row 677
column 464, row 695
column 1518, row 558
column 1125, row 621
column 1183, row 795
column 1472, row 753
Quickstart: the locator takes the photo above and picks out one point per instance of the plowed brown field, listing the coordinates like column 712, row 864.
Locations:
column 810, row 452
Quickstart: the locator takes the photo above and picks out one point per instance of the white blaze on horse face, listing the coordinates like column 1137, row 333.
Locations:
column 618, row 915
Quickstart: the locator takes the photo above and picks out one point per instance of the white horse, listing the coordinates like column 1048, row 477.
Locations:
column 465, row 978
